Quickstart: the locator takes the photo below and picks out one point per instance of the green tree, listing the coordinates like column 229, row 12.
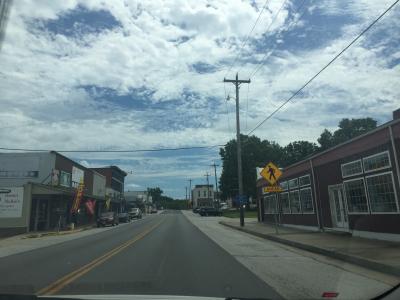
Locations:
column 297, row 151
column 255, row 153
column 347, row 130
column 155, row 194
column 325, row 140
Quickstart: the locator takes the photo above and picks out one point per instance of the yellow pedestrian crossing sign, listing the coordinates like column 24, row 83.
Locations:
column 271, row 173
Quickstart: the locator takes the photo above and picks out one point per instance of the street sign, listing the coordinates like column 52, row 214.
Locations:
column 272, row 189
column 241, row 199
column 271, row 173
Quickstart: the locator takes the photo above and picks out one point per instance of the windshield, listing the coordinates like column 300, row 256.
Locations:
column 205, row 148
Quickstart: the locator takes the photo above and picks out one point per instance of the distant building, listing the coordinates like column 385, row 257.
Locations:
column 141, row 199
column 203, row 195
column 115, row 180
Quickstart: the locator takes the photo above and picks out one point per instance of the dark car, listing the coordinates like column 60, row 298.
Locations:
column 124, row 217
column 107, row 218
column 209, row 211
column 196, row 210
column 135, row 213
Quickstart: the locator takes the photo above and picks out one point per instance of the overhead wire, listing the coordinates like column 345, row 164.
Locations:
column 325, row 67
column 269, row 53
column 247, row 38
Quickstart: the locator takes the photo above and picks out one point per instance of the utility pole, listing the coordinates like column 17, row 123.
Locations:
column 208, row 187
column 216, row 184
column 237, row 83
column 190, row 191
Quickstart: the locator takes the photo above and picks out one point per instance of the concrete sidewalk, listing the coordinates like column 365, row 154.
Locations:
column 377, row 255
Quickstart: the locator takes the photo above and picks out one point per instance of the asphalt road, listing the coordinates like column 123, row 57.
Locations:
column 162, row 254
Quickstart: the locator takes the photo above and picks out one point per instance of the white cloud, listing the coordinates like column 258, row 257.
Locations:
column 42, row 74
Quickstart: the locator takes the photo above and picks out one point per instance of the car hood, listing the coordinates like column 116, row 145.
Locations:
column 128, row 297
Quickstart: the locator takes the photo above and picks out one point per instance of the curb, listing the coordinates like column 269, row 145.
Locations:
column 55, row 233
column 338, row 255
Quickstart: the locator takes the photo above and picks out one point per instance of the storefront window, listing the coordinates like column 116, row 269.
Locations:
column 293, row 183
column 270, row 204
column 355, row 195
column 306, row 200
column 376, row 162
column 294, row 202
column 65, row 179
column 284, row 200
column 381, row 193
column 284, row 185
column 351, row 168
column 304, row 180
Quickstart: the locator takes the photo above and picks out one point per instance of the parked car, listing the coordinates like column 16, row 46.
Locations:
column 135, row 213
column 153, row 210
column 224, row 206
column 196, row 210
column 210, row 211
column 107, row 218
column 124, row 217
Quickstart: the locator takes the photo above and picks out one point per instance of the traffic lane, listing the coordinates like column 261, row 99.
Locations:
column 174, row 259
column 31, row 271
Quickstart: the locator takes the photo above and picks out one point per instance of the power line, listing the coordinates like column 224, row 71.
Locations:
column 113, row 151
column 272, row 22
column 268, row 54
column 326, row 66
column 247, row 38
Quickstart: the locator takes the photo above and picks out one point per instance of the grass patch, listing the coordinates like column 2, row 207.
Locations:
column 236, row 214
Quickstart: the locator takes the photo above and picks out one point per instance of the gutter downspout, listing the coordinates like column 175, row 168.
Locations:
column 315, row 195
column 396, row 161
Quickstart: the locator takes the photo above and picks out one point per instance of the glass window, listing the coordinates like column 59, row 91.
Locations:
column 306, row 200
column 304, row 180
column 381, row 193
column 270, row 204
column 205, row 193
column 210, row 193
column 293, row 183
column 199, row 194
column 355, row 195
column 65, row 179
column 284, row 199
column 284, row 185
column 294, row 202
column 351, row 168
column 376, row 162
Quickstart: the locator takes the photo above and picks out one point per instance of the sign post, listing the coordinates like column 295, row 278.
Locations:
column 271, row 173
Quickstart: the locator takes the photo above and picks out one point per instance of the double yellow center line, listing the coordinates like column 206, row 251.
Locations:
column 67, row 279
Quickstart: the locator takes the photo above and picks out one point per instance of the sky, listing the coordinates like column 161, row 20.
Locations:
column 111, row 75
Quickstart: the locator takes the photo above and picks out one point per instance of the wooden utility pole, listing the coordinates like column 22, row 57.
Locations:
column 190, row 193
column 208, row 187
column 216, row 182
column 237, row 83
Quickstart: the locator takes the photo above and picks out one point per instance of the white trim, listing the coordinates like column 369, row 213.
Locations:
column 305, row 227
column 309, row 178
column 377, row 235
column 312, row 201
column 366, row 196
column 286, row 213
column 394, row 190
column 352, row 162
column 377, row 154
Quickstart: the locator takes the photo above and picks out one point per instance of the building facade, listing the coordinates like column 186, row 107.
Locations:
column 37, row 192
column 203, row 195
column 115, row 181
column 353, row 187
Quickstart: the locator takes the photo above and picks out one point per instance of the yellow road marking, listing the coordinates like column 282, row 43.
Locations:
column 67, row 279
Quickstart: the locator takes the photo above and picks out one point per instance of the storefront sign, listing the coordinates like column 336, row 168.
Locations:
column 78, row 197
column 77, row 176
column 272, row 189
column 11, row 200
